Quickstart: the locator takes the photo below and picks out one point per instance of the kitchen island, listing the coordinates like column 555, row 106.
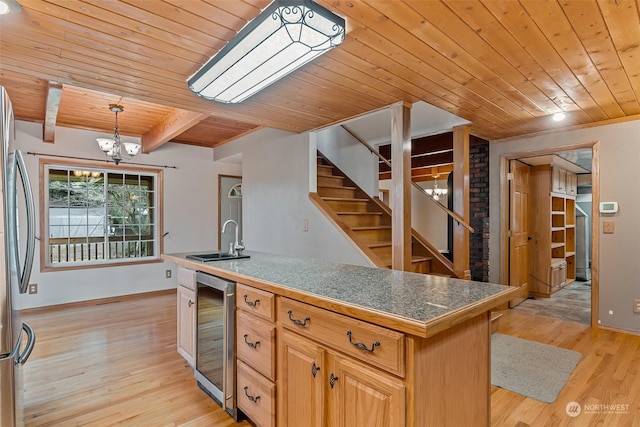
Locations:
column 358, row 346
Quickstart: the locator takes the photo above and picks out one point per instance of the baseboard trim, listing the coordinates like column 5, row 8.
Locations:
column 99, row 301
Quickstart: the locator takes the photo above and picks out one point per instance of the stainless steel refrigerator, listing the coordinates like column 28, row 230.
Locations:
column 17, row 339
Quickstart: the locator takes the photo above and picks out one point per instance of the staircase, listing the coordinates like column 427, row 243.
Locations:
column 367, row 222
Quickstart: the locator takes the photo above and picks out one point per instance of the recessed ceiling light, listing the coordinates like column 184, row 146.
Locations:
column 558, row 117
column 9, row 6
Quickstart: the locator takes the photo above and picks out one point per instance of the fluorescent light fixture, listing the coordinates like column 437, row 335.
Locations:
column 9, row 6
column 558, row 117
column 283, row 37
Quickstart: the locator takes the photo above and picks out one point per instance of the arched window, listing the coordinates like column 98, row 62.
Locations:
column 235, row 192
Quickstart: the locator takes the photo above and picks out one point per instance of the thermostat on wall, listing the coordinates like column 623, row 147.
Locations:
column 608, row 207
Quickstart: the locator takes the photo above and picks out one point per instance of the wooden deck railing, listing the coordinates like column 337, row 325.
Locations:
column 96, row 248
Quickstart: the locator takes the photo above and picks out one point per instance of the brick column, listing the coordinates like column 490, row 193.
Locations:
column 479, row 209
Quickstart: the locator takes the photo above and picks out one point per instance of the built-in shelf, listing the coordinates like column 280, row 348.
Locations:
column 553, row 219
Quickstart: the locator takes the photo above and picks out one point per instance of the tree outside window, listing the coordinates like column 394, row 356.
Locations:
column 99, row 215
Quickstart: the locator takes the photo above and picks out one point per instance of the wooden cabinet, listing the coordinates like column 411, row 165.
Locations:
column 553, row 229
column 362, row 396
column 356, row 395
column 313, row 372
column 558, row 180
column 256, row 353
column 186, row 315
column 339, row 363
column 572, row 184
column 301, row 393
column 256, row 396
column 563, row 182
column 372, row 344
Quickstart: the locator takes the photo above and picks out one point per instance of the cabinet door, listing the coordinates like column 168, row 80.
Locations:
column 559, row 180
column 572, row 184
column 558, row 275
column 186, row 324
column 300, row 392
column 362, row 396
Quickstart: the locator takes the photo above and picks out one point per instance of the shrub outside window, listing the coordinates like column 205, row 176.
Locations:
column 100, row 216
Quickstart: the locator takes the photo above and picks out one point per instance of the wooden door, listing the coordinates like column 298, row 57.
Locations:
column 361, row 396
column 301, row 388
column 519, row 229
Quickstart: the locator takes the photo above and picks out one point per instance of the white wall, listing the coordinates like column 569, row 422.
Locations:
column 190, row 217
column 275, row 198
column 426, row 218
column 619, row 178
column 351, row 157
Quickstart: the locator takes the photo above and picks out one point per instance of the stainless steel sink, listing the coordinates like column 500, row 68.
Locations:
column 216, row 256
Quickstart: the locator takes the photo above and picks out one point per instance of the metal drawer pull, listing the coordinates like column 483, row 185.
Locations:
column 251, row 344
column 363, row 346
column 314, row 369
column 332, row 380
column 251, row 303
column 251, row 398
column 190, row 303
column 298, row 321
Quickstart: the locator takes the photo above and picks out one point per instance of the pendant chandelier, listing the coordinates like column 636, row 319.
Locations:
column 436, row 192
column 114, row 147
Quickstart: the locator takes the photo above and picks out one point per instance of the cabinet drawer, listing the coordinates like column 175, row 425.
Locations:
column 187, row 278
column 256, row 344
column 373, row 344
column 256, row 396
column 256, row 301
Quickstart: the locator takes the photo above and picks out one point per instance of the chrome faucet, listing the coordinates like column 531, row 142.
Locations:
column 237, row 247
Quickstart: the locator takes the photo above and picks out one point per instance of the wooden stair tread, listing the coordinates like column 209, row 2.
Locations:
column 367, row 230
column 348, row 199
column 379, row 244
column 371, row 227
column 341, row 187
column 414, row 259
column 359, row 213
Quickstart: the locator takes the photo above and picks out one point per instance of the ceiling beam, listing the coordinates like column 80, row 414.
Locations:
column 54, row 93
column 173, row 125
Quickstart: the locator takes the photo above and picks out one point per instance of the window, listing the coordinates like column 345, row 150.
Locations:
column 100, row 216
column 235, row 192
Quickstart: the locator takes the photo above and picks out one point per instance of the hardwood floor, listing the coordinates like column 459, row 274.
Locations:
column 607, row 374
column 116, row 364
column 113, row 364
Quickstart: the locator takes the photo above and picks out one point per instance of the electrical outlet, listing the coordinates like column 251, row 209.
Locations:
column 636, row 305
column 167, row 274
column 33, row 288
column 305, row 225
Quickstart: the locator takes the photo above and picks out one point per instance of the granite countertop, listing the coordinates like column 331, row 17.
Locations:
column 414, row 303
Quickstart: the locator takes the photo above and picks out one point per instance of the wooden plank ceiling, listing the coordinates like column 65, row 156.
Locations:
column 505, row 66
